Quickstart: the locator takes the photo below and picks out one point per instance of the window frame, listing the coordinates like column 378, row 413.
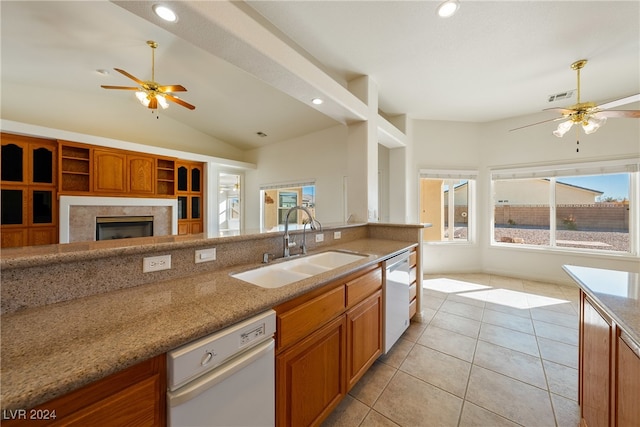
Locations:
column 472, row 212
column 552, row 173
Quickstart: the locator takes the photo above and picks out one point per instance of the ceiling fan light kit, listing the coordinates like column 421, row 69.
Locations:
column 150, row 93
column 589, row 115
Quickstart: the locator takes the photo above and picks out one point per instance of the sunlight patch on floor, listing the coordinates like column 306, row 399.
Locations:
column 507, row 297
column 451, row 286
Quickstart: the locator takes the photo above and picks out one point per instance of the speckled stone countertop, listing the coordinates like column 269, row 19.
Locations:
column 50, row 350
column 617, row 292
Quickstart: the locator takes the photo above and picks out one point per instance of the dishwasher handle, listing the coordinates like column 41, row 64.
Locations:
column 393, row 263
column 219, row 374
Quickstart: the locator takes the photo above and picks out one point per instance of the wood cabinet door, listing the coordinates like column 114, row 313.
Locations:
column 110, row 171
column 310, row 380
column 628, row 383
column 141, row 174
column 364, row 337
column 43, row 236
column 13, row 237
column 595, row 377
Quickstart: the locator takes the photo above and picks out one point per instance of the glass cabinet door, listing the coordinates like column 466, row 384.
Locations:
column 13, row 157
column 42, row 206
column 183, row 178
column 42, row 165
column 12, row 208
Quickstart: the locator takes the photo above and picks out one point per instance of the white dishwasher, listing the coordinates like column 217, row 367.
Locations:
column 225, row 379
column 396, row 298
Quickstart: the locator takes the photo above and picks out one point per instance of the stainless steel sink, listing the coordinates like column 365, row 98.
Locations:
column 286, row 272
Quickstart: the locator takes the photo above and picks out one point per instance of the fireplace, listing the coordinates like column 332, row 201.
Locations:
column 78, row 215
column 123, row 227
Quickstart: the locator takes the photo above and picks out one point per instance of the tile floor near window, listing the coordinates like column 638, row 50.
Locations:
column 493, row 351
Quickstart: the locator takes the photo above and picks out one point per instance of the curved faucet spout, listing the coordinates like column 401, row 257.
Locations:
column 287, row 243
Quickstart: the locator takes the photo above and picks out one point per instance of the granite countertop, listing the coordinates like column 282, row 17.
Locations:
column 51, row 350
column 617, row 292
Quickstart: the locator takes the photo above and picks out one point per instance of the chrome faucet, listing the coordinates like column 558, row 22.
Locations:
column 287, row 240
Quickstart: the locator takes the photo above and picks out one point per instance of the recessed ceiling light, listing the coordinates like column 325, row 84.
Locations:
column 447, row 8
column 165, row 13
column 317, row 101
column 103, row 72
column 261, row 134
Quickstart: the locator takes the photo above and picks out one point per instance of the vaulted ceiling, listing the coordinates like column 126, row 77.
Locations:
column 490, row 61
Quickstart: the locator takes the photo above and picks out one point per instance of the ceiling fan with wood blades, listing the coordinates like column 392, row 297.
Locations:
column 149, row 92
column 589, row 115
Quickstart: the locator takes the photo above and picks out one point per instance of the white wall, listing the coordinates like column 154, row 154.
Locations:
column 447, row 145
column 320, row 156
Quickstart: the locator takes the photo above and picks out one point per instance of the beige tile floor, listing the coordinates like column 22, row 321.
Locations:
column 493, row 351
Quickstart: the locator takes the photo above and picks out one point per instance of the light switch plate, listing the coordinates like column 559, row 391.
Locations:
column 156, row 263
column 319, row 237
column 205, row 255
column 337, row 235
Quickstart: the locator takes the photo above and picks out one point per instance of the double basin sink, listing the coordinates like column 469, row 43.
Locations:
column 286, row 272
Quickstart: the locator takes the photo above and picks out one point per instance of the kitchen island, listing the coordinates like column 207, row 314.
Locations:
column 49, row 349
column 609, row 352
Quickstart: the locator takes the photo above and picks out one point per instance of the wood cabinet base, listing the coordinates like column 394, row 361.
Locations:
column 133, row 397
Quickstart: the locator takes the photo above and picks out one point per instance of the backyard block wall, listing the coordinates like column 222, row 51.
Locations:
column 598, row 216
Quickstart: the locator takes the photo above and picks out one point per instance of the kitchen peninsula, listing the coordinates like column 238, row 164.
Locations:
column 74, row 314
column 609, row 352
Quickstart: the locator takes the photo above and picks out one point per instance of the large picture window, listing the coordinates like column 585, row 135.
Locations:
column 585, row 207
column 447, row 203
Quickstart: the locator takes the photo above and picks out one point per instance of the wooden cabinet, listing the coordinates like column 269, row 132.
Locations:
column 627, row 382
column 595, row 380
column 135, row 396
column 142, row 174
column 120, row 172
column 609, row 370
column 28, row 194
column 364, row 337
column 88, row 169
column 413, row 287
column 325, row 341
column 109, row 171
column 310, row 378
column 190, row 200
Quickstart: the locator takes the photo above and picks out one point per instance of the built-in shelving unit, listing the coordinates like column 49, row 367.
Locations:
column 75, row 168
column 165, row 177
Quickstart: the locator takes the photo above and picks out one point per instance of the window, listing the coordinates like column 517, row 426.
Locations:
column 585, row 207
column 277, row 199
column 447, row 202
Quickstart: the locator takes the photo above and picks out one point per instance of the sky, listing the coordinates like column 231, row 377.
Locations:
column 613, row 185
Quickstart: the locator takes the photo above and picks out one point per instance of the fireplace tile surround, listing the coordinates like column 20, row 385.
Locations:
column 78, row 215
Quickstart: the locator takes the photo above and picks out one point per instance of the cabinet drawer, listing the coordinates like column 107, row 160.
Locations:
column 304, row 319
column 412, row 259
column 363, row 286
column 412, row 275
column 413, row 289
column 412, row 308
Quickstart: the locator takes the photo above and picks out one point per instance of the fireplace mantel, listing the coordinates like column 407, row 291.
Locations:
column 67, row 203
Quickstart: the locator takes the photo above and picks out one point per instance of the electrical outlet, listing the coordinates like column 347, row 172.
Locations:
column 319, row 237
column 337, row 235
column 156, row 263
column 205, row 255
